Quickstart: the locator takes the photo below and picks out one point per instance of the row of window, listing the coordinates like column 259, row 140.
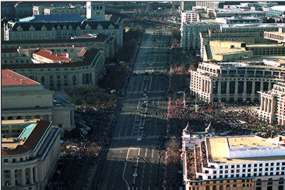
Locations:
column 248, row 170
column 252, row 165
column 246, row 175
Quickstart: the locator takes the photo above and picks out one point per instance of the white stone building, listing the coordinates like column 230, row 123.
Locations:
column 23, row 98
column 29, row 153
column 234, row 81
column 272, row 105
column 236, row 162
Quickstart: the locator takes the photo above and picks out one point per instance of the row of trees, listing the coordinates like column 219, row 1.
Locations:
column 131, row 39
column 92, row 96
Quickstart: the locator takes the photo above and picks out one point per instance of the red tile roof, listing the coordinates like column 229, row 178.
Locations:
column 53, row 57
column 11, row 78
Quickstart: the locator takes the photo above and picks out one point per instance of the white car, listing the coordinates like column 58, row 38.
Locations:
column 139, row 138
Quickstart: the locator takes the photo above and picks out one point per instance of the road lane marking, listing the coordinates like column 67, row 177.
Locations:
column 124, row 171
column 145, row 153
column 135, row 174
column 150, row 83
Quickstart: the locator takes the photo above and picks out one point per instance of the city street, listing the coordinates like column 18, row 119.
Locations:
column 135, row 159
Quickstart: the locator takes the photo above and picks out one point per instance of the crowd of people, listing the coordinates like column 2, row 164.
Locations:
column 81, row 148
column 226, row 120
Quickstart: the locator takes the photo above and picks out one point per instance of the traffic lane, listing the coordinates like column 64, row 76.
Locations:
column 123, row 125
column 142, row 170
column 133, row 142
column 159, row 83
column 112, row 175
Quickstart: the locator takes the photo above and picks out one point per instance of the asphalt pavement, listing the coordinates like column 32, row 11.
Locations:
column 136, row 155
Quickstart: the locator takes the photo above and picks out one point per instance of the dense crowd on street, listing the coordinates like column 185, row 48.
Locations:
column 81, row 148
column 227, row 120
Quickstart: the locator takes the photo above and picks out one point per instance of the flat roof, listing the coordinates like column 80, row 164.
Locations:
column 11, row 78
column 99, row 38
column 219, row 47
column 218, row 148
column 254, row 25
column 32, row 132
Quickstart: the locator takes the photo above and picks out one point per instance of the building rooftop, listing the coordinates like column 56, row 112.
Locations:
column 74, row 24
column 86, row 58
column 32, row 131
column 238, row 149
column 49, row 55
column 224, row 50
column 258, row 25
column 11, row 78
column 83, row 38
column 64, row 17
column 226, row 47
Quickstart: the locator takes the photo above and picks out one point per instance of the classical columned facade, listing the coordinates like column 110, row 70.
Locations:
column 235, row 82
column 272, row 105
column 228, row 89
column 267, row 107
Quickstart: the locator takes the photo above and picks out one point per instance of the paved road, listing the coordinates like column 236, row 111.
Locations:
column 135, row 158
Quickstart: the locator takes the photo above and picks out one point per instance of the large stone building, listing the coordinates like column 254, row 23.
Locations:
column 14, row 51
column 56, row 76
column 29, row 152
column 249, row 33
column 234, row 163
column 190, row 33
column 65, row 25
column 23, row 98
column 219, row 50
column 272, row 105
column 235, row 81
